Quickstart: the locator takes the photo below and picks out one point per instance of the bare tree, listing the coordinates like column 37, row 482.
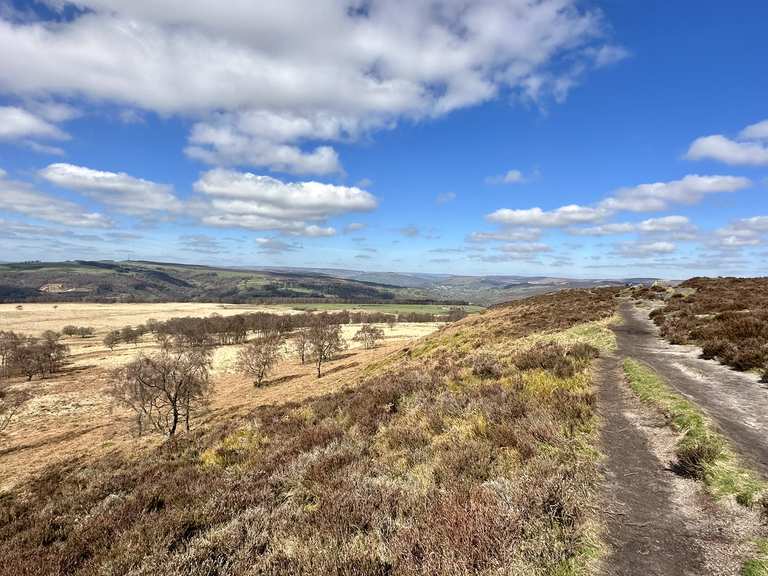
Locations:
column 301, row 345
column 325, row 340
column 10, row 403
column 112, row 339
column 258, row 357
column 369, row 335
column 166, row 388
column 9, row 344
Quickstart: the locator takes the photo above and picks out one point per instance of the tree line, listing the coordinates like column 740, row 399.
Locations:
column 221, row 330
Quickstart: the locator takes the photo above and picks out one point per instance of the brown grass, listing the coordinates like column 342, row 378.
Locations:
column 420, row 467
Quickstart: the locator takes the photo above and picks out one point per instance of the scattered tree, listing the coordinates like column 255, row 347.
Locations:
column 112, row 339
column 165, row 389
column 301, row 345
column 369, row 335
column 10, row 403
column 258, row 357
column 325, row 340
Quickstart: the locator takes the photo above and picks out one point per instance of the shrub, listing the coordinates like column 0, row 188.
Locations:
column 716, row 347
column 582, row 351
column 486, row 365
column 548, row 356
column 695, row 453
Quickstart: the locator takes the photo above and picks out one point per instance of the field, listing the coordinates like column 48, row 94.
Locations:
column 70, row 414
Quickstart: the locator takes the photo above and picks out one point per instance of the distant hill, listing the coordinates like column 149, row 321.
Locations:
column 483, row 290
column 143, row 281
column 140, row 281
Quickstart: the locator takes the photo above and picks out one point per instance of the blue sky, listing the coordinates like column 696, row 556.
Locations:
column 588, row 139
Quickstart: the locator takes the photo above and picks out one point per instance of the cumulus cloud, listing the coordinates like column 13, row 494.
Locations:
column 749, row 148
column 246, row 200
column 659, row 196
column 17, row 123
column 118, row 190
column 22, row 198
column 679, row 227
column 742, row 233
column 563, row 216
column 267, row 81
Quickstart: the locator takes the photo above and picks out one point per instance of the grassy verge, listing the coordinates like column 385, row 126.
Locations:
column 701, row 452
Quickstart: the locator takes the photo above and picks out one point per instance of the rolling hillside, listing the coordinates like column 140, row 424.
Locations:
column 139, row 281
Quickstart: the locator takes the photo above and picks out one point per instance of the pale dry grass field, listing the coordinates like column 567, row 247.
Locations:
column 36, row 318
column 70, row 415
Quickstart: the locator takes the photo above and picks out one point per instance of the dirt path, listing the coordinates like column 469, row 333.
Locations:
column 736, row 401
column 647, row 531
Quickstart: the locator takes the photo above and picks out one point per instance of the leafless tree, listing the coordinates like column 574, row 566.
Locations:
column 10, row 403
column 301, row 344
column 258, row 357
column 112, row 339
column 166, row 388
column 325, row 340
column 9, row 344
column 369, row 335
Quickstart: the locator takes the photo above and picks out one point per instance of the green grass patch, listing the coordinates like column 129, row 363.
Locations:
column 757, row 566
column 701, row 452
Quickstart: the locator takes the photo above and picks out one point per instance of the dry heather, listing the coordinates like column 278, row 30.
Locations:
column 450, row 457
column 727, row 317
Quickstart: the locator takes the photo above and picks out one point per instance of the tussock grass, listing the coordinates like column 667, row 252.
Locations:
column 701, row 452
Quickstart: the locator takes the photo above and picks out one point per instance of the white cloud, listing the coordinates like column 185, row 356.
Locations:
column 743, row 232
column 718, row 147
column 22, row 198
column 118, row 190
column 563, row 216
column 744, row 150
column 509, row 177
column 758, row 131
column 268, row 81
column 677, row 227
column 659, row 196
column 242, row 199
column 17, row 123
column 645, row 249
column 605, row 229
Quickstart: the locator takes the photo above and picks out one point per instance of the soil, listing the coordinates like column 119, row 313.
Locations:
column 735, row 401
column 655, row 521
